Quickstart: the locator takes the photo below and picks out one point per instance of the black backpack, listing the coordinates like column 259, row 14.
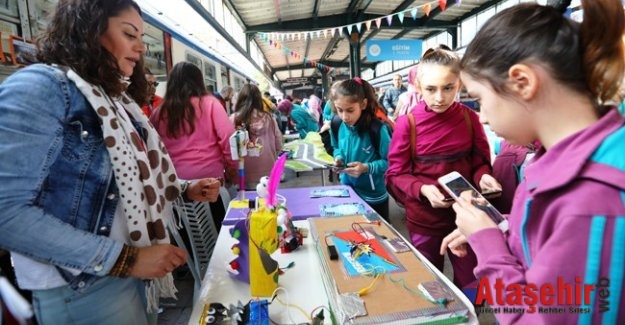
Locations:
column 374, row 130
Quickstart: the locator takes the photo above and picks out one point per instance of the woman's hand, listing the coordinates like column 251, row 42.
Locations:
column 206, row 189
column 470, row 219
column 489, row 184
column 456, row 242
column 156, row 261
column 434, row 195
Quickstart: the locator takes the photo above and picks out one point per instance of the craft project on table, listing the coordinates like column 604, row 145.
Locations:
column 329, row 192
column 379, row 295
column 341, row 209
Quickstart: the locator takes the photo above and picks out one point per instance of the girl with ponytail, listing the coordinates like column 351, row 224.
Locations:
column 541, row 76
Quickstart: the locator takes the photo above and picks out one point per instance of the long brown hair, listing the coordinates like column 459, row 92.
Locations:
column 72, row 40
column 357, row 90
column 588, row 58
column 184, row 82
column 249, row 100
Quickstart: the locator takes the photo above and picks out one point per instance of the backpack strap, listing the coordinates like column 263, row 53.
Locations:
column 335, row 124
column 467, row 121
column 413, row 136
column 374, row 133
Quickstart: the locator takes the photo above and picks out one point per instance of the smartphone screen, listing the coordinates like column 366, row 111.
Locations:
column 458, row 186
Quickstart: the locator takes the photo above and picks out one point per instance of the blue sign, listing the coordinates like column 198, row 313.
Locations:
column 387, row 50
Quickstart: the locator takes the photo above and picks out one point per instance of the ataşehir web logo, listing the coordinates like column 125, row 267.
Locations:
column 559, row 297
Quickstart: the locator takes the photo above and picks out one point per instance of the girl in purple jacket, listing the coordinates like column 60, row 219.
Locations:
column 448, row 138
column 541, row 76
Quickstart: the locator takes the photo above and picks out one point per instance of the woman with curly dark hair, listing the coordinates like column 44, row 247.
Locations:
column 87, row 184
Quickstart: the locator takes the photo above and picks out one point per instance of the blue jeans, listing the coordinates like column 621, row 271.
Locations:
column 109, row 300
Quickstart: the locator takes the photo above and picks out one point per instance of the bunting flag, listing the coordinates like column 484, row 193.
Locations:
column 442, row 4
column 413, row 13
column 427, row 8
column 276, row 39
column 389, row 19
column 401, row 17
column 378, row 22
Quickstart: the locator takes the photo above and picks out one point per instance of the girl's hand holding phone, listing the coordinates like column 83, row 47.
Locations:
column 470, row 219
column 355, row 169
column 489, row 184
column 435, row 196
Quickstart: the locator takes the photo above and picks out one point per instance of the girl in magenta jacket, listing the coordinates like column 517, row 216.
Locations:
column 541, row 76
column 449, row 138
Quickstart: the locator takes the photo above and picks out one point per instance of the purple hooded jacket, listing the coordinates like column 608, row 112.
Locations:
column 567, row 226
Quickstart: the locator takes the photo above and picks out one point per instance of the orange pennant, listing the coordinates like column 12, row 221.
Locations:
column 427, row 8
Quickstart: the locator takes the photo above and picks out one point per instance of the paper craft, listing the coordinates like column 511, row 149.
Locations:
column 329, row 192
column 362, row 264
column 341, row 209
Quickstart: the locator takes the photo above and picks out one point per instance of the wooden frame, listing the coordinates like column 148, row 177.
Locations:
column 22, row 51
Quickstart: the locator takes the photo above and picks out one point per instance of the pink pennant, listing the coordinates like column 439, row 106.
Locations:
column 378, row 22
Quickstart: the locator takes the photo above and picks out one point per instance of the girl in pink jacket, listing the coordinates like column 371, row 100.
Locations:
column 541, row 76
column 448, row 138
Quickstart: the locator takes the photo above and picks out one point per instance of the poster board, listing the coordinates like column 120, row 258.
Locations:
column 388, row 301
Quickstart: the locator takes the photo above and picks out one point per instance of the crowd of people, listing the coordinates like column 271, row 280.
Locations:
column 98, row 158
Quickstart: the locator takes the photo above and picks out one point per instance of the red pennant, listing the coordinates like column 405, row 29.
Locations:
column 442, row 4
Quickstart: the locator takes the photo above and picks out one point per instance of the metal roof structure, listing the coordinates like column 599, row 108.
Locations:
column 296, row 35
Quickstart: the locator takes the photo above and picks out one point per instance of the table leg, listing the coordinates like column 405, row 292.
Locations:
column 323, row 177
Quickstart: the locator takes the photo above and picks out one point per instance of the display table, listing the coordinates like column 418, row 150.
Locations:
column 302, row 283
column 299, row 202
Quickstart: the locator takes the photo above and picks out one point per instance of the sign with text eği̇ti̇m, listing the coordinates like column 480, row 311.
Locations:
column 387, row 50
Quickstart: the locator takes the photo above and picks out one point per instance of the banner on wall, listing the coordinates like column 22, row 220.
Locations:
column 388, row 50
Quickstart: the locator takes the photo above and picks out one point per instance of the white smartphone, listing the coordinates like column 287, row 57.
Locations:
column 457, row 186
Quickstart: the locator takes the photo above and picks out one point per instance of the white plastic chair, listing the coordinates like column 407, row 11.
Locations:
column 198, row 223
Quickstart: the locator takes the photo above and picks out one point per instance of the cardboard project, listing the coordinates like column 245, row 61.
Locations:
column 390, row 296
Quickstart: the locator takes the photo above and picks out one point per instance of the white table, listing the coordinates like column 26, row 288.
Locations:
column 302, row 282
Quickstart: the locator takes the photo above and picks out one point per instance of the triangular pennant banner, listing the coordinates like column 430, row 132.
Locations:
column 349, row 29
column 413, row 13
column 401, row 17
column 442, row 4
column 389, row 19
column 325, row 33
column 359, row 27
column 378, row 22
column 427, row 8
column 368, row 24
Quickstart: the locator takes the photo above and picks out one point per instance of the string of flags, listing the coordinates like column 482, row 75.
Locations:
column 276, row 39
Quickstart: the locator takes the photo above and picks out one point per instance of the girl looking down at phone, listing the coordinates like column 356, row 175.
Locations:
column 364, row 165
column 448, row 137
column 541, row 76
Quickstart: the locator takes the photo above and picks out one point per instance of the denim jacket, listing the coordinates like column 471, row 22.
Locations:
column 58, row 196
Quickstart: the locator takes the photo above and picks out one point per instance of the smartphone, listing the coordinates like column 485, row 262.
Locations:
column 457, row 186
column 335, row 168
